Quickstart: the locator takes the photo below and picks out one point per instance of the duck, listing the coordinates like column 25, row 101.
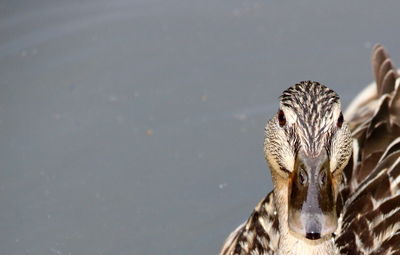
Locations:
column 335, row 175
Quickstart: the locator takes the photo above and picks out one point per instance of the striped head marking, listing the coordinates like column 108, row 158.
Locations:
column 307, row 145
column 314, row 109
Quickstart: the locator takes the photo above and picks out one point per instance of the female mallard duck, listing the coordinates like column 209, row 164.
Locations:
column 336, row 180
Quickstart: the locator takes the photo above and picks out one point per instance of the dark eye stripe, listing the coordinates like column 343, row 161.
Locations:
column 281, row 118
column 285, row 170
column 340, row 120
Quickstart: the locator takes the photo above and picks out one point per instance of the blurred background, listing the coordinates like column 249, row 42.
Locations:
column 136, row 127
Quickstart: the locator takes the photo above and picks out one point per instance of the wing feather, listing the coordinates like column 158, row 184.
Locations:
column 258, row 235
column 369, row 201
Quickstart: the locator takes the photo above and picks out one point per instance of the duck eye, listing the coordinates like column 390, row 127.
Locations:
column 322, row 178
column 281, row 118
column 303, row 179
column 340, row 121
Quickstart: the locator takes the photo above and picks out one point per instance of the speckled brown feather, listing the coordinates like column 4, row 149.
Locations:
column 258, row 235
column 369, row 203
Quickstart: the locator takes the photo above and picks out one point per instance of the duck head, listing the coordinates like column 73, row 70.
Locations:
column 307, row 144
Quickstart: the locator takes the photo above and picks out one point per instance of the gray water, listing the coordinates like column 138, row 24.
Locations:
column 136, row 127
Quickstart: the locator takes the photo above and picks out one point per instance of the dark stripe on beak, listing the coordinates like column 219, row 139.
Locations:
column 311, row 199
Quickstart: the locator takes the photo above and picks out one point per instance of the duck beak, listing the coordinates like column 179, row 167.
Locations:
column 312, row 211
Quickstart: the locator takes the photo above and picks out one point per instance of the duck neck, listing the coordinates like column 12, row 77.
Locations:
column 290, row 243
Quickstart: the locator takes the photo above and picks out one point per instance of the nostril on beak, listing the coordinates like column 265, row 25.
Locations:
column 313, row 235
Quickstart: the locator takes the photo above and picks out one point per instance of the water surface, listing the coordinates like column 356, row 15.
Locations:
column 136, row 127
